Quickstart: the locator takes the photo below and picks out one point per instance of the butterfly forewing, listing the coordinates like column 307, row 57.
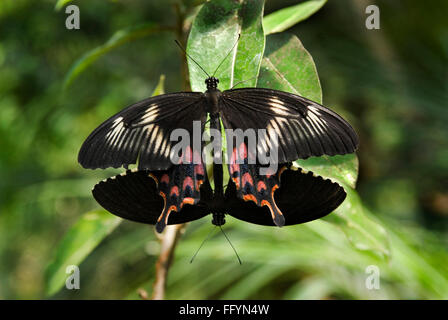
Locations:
column 142, row 132
column 304, row 128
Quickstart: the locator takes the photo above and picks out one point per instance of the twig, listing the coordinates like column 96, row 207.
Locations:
column 168, row 240
column 167, row 247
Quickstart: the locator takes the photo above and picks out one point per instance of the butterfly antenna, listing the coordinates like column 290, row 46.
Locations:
column 185, row 51
column 239, row 260
column 239, row 82
column 239, row 35
column 208, row 236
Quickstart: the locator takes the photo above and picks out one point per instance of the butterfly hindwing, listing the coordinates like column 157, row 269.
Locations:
column 304, row 128
column 141, row 132
column 301, row 197
column 180, row 185
column 152, row 196
column 250, row 185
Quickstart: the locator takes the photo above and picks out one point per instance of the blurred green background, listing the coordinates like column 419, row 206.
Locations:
column 391, row 84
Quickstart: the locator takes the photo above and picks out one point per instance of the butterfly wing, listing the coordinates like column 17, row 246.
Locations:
column 250, row 185
column 142, row 132
column 300, row 197
column 180, row 186
column 304, row 128
column 141, row 196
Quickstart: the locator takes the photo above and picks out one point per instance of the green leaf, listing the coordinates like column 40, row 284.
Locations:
column 160, row 88
column 61, row 3
column 288, row 66
column 250, row 45
column 358, row 224
column 285, row 18
column 341, row 169
column 213, row 34
column 76, row 245
column 119, row 38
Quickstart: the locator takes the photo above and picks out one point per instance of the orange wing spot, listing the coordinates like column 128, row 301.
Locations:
column 261, row 186
column 170, row 209
column 281, row 171
column 165, row 179
column 250, row 197
column 187, row 201
column 266, row 203
column 174, row 190
column 154, row 178
column 198, row 184
column 276, row 214
column 233, row 156
column 188, row 182
column 237, row 182
column 247, row 178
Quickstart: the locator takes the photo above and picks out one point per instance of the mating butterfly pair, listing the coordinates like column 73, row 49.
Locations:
column 141, row 133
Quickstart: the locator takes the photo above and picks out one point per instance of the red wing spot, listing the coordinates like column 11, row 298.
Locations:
column 174, row 190
column 165, row 179
column 247, row 178
column 232, row 157
column 237, row 182
column 250, row 197
column 261, row 186
column 269, row 172
column 234, row 168
column 197, row 158
column 188, row 182
column 187, row 156
column 242, row 151
column 198, row 169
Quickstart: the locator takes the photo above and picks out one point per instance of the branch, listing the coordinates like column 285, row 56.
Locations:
column 168, row 243
column 172, row 233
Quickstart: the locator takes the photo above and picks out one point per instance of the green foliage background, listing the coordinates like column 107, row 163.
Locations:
column 56, row 85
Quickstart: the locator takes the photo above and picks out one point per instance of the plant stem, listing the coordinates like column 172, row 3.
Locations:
column 168, row 240
column 168, row 245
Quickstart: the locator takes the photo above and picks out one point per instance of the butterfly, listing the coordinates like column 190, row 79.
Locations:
column 158, row 187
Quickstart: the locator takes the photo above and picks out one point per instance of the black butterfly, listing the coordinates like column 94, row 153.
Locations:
column 141, row 133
